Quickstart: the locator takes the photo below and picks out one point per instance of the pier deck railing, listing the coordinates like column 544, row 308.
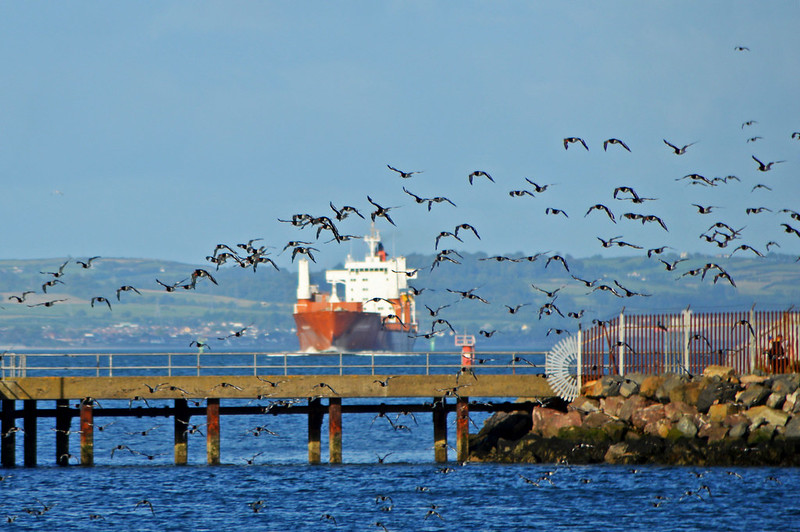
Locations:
column 15, row 365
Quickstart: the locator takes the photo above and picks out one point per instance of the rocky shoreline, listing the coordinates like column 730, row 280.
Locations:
column 719, row 418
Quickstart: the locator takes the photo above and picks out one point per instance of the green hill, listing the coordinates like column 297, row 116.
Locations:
column 262, row 300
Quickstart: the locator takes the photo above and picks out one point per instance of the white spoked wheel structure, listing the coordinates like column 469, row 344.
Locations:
column 561, row 367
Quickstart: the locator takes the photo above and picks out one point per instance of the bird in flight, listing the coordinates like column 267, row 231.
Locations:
column 765, row 167
column 101, row 299
column 126, row 288
column 677, row 150
column 88, row 263
column 404, row 175
column 614, row 141
column 601, row 207
column 479, row 173
column 382, row 212
column 572, row 140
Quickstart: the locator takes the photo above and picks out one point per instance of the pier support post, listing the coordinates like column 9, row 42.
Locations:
column 462, row 429
column 314, row 431
column 29, row 422
column 439, row 429
column 87, row 432
column 335, row 430
column 212, row 441
column 63, row 419
column 181, row 432
column 8, row 447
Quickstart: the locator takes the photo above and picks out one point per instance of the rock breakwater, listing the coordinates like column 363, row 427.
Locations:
column 719, row 418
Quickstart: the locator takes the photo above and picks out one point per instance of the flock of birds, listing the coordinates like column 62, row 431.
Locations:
column 627, row 204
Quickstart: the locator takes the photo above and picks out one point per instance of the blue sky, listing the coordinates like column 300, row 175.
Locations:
column 159, row 129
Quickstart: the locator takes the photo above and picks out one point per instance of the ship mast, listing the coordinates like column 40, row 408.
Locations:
column 372, row 240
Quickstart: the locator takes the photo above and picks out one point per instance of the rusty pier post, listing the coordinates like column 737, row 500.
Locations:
column 212, row 441
column 439, row 430
column 335, row 430
column 314, row 430
column 63, row 419
column 181, row 431
column 8, row 446
column 462, row 429
column 87, row 432
column 29, row 422
column 467, row 343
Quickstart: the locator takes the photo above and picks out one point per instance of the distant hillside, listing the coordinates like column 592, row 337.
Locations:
column 263, row 299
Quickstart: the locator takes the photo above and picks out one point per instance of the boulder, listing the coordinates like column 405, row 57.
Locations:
column 596, row 420
column 507, row 425
column 592, row 389
column 686, row 427
column 556, row 423
column 754, row 395
column 660, row 428
column 715, row 391
column 761, row 435
column 792, row 431
column 712, row 431
column 738, row 430
column 686, row 393
column 791, row 401
column 628, row 387
column 719, row 412
column 540, row 419
column 611, row 405
column 649, row 386
column 621, row 453
column 584, row 404
column 747, row 380
column 786, row 384
column 676, row 410
column 759, row 415
column 630, row 406
column 646, row 415
column 670, row 382
column 723, row 372
column 775, row 400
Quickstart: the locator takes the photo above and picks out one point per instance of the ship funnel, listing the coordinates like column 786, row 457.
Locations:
column 303, row 282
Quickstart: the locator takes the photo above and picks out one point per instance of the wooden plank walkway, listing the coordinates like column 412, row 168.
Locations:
column 444, row 394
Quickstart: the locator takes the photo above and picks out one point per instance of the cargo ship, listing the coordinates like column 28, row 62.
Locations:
column 374, row 312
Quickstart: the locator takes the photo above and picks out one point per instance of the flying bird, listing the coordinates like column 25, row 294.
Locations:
column 479, row 173
column 551, row 210
column 538, row 188
column 88, row 263
column 572, row 140
column 126, row 288
column 677, row 150
column 101, row 299
column 404, row 175
column 614, row 141
column 380, row 212
column 765, row 167
column 548, row 293
column 601, row 207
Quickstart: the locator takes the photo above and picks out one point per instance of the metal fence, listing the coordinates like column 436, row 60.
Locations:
column 15, row 365
column 689, row 342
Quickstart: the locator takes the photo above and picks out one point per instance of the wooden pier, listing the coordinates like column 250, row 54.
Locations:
column 82, row 397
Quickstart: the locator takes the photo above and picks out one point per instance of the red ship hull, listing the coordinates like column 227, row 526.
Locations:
column 348, row 330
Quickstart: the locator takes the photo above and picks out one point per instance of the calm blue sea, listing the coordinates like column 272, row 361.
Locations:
column 408, row 491
column 419, row 494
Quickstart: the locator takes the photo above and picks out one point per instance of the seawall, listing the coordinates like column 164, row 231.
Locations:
column 719, row 418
